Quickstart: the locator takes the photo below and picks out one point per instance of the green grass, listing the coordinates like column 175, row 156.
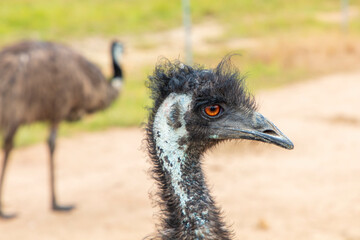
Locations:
column 66, row 18
column 61, row 19
column 275, row 18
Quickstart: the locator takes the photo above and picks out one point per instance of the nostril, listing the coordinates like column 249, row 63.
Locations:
column 270, row 132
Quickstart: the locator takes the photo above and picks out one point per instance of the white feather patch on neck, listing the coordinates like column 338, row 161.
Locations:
column 117, row 83
column 167, row 139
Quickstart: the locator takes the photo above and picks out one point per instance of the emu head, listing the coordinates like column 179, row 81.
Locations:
column 207, row 106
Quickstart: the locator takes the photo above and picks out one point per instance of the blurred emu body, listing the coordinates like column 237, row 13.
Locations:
column 44, row 81
column 195, row 109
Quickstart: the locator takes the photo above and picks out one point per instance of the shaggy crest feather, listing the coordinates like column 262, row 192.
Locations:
column 223, row 82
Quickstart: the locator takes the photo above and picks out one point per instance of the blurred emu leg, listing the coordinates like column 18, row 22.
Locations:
column 51, row 143
column 7, row 147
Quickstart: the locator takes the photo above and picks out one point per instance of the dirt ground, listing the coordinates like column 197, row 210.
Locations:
column 266, row 193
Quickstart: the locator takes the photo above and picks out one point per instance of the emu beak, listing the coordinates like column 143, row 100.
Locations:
column 257, row 128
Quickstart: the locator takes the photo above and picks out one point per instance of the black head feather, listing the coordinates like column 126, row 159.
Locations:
column 223, row 83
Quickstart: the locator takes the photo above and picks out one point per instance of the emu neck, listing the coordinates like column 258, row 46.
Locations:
column 190, row 210
column 116, row 65
column 117, row 69
column 117, row 80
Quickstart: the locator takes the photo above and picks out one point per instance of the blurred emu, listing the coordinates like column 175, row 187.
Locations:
column 44, row 81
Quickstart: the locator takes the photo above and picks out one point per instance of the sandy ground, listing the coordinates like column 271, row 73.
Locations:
column 267, row 193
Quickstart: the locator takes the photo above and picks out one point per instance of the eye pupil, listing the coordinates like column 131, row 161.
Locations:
column 212, row 110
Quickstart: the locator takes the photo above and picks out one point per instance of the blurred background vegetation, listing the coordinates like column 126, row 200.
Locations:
column 280, row 42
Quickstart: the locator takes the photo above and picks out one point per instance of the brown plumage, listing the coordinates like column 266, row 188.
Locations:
column 44, row 81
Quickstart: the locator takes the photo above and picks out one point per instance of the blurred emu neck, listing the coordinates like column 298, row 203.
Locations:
column 190, row 212
column 117, row 67
column 117, row 79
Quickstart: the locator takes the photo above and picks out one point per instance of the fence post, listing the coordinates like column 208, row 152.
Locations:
column 345, row 15
column 187, row 26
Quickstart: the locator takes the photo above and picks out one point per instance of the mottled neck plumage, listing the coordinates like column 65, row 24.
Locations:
column 190, row 212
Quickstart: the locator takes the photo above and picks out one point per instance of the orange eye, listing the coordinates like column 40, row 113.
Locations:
column 212, row 110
